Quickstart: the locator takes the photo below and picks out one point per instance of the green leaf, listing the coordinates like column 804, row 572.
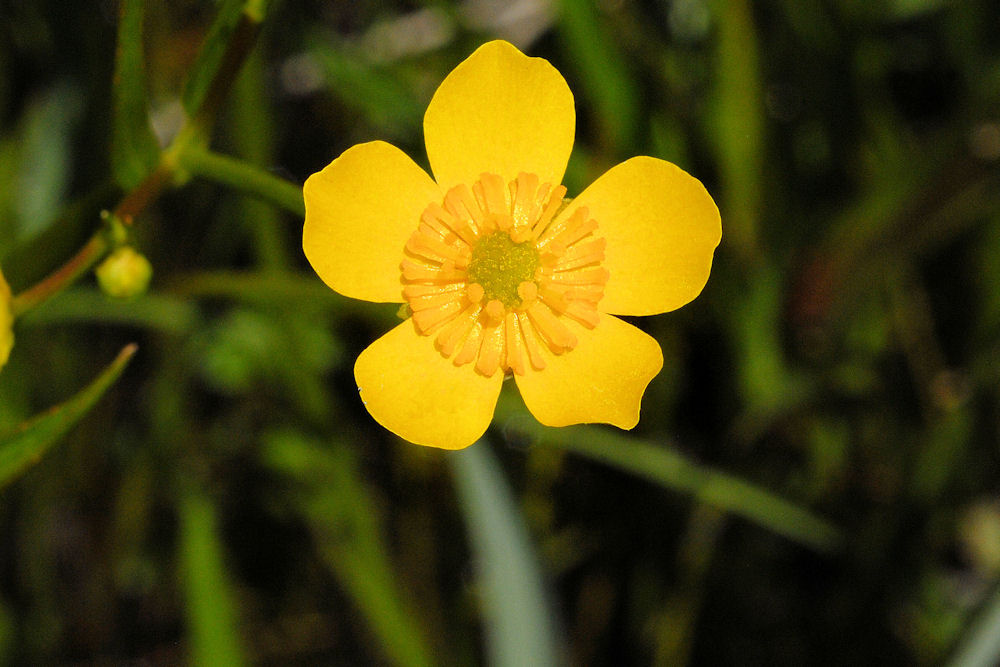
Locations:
column 335, row 501
column 738, row 123
column 980, row 646
column 26, row 444
column 212, row 54
column 663, row 465
column 210, row 606
column 519, row 622
column 42, row 167
column 603, row 71
column 134, row 149
column 375, row 92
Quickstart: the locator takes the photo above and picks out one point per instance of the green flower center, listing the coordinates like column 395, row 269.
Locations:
column 500, row 265
column 494, row 272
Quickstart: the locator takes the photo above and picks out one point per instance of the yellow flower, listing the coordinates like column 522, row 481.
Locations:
column 6, row 321
column 501, row 274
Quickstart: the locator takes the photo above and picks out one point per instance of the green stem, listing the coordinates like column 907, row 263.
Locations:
column 241, row 42
column 144, row 194
column 245, row 178
column 65, row 275
column 190, row 136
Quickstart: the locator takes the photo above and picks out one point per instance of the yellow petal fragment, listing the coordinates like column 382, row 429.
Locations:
column 415, row 392
column 601, row 380
column 500, row 112
column 6, row 321
column 360, row 212
column 661, row 228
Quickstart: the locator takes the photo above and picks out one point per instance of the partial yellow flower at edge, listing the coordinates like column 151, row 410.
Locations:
column 6, row 321
column 502, row 276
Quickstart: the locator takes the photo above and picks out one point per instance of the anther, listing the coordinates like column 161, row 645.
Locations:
column 528, row 291
column 494, row 312
column 474, row 292
column 495, row 274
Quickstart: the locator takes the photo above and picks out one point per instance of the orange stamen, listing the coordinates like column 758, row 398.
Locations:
column 461, row 291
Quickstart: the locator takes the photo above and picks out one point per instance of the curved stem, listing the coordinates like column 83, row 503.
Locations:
column 144, row 194
column 244, row 177
column 62, row 277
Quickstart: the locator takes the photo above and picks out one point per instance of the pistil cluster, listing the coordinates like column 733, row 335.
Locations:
column 493, row 272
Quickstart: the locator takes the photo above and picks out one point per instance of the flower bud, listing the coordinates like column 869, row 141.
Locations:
column 125, row 273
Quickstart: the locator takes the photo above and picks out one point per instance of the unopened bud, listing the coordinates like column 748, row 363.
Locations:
column 125, row 273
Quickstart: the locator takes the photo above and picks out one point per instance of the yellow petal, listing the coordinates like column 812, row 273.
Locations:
column 413, row 391
column 601, row 380
column 500, row 112
column 360, row 211
column 6, row 321
column 662, row 228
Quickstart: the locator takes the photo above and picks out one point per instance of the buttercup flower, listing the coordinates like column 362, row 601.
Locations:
column 6, row 321
column 501, row 273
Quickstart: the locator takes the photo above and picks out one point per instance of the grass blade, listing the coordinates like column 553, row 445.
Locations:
column 344, row 519
column 738, row 124
column 981, row 645
column 666, row 467
column 228, row 41
column 25, row 445
column 603, row 72
column 210, row 605
column 519, row 621
column 134, row 150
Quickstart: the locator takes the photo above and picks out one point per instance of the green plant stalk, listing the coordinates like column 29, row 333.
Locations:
column 244, row 177
column 163, row 176
column 62, row 277
column 665, row 466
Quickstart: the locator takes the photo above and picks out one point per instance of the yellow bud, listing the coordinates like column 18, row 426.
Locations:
column 124, row 273
column 6, row 321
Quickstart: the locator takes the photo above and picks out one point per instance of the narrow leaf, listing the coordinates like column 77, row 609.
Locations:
column 213, row 53
column 344, row 518
column 604, row 72
column 26, row 445
column 209, row 599
column 980, row 647
column 662, row 465
column 134, row 149
column 519, row 622
column 738, row 127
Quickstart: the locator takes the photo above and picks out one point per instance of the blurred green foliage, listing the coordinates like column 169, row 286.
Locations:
column 815, row 476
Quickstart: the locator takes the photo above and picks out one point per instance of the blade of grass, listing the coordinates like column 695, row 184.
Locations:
column 344, row 519
column 210, row 605
column 519, row 621
column 211, row 54
column 134, row 150
column 25, row 445
column 230, row 38
column 603, row 72
column 664, row 466
column 373, row 91
column 738, row 123
column 980, row 647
